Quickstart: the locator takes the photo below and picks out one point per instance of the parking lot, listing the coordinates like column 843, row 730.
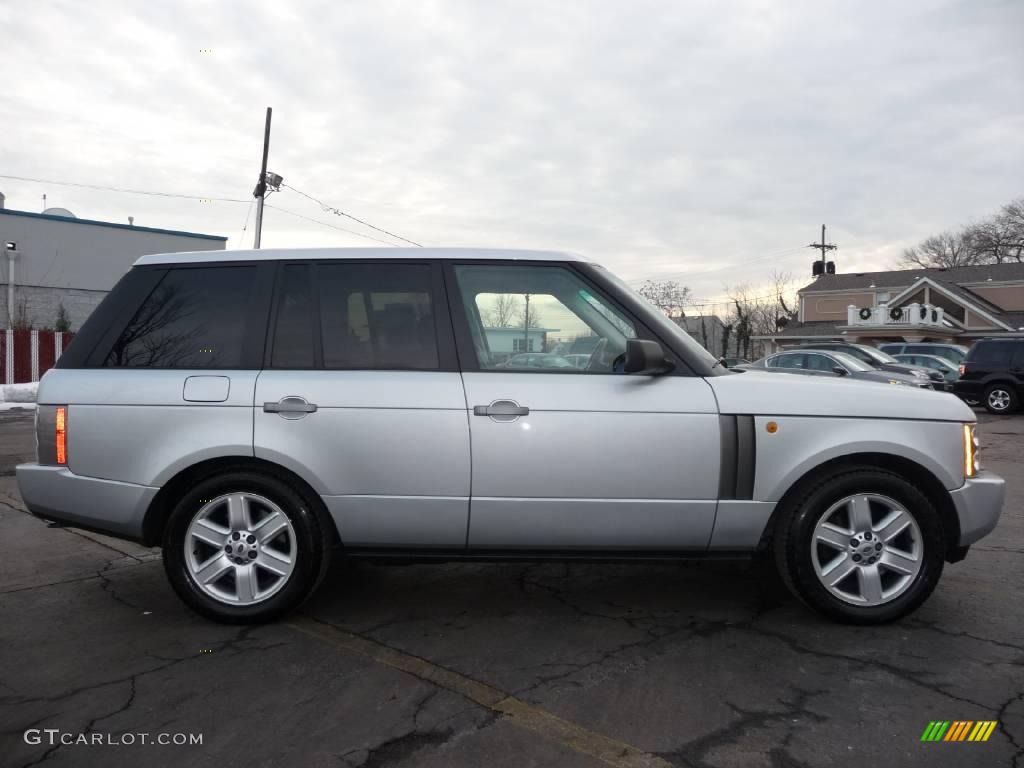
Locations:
column 705, row 664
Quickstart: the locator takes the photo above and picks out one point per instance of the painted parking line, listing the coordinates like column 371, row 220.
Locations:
column 517, row 711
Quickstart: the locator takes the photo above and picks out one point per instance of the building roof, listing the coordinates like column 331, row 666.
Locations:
column 110, row 224
column 899, row 278
column 800, row 330
column 268, row 254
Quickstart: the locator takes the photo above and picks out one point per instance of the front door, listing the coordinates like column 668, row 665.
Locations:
column 571, row 457
column 362, row 397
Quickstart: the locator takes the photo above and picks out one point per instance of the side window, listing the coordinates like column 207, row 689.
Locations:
column 194, row 318
column 918, row 349
column 546, row 310
column 293, row 329
column 993, row 353
column 788, row 361
column 377, row 316
column 818, row 363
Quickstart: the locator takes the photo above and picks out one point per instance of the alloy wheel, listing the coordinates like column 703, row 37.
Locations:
column 999, row 400
column 240, row 548
column 867, row 549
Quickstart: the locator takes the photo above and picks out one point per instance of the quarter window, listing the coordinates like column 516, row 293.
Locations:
column 194, row 318
column 377, row 316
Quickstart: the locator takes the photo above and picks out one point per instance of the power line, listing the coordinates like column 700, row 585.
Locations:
column 121, row 189
column 332, row 226
column 338, row 212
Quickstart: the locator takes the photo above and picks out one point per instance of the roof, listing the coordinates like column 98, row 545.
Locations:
column 798, row 330
column 273, row 254
column 110, row 224
column 899, row 278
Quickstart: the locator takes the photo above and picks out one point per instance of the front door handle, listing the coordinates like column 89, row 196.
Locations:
column 292, row 407
column 502, row 410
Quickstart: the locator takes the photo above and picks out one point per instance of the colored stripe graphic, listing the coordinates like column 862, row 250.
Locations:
column 959, row 730
column 935, row 730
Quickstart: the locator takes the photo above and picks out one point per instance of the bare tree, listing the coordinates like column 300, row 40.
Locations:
column 1000, row 238
column 949, row 249
column 667, row 295
column 503, row 313
column 522, row 320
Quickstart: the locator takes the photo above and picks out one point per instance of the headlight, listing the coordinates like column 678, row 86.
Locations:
column 972, row 464
column 894, row 381
column 920, row 374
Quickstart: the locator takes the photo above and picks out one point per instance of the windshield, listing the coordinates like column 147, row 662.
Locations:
column 877, row 354
column 664, row 325
column 851, row 362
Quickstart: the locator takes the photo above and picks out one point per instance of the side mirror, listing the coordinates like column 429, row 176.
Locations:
column 839, row 371
column 646, row 357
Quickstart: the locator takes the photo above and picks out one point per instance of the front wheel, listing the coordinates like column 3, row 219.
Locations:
column 863, row 546
column 243, row 547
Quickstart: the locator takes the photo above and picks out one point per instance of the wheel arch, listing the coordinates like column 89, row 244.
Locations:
column 910, row 470
column 155, row 519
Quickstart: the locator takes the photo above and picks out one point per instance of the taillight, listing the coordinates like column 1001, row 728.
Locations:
column 963, row 369
column 61, row 434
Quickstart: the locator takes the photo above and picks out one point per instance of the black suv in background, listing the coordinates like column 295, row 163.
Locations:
column 879, row 360
column 993, row 372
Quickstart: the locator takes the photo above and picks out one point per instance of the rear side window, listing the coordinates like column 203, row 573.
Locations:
column 995, row 353
column 377, row 316
column 193, row 318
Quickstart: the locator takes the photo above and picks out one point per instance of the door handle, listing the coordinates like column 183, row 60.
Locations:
column 290, row 407
column 502, row 410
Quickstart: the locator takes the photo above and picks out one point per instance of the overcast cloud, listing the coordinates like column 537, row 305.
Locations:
column 661, row 138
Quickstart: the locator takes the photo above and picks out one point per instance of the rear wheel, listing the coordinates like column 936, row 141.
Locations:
column 244, row 547
column 1000, row 398
column 863, row 546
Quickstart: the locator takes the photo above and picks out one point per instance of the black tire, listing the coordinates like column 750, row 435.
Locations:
column 1009, row 396
column 794, row 534
column 312, row 539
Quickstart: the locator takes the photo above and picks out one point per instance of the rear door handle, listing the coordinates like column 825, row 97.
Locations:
column 502, row 410
column 290, row 407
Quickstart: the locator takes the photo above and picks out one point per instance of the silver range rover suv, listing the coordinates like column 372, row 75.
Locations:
column 257, row 412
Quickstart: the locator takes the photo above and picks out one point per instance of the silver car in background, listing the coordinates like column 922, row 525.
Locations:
column 257, row 413
column 832, row 364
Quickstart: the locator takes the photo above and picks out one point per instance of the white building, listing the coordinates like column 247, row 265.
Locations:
column 53, row 258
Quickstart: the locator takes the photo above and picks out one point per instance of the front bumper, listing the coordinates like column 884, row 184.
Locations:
column 106, row 506
column 978, row 503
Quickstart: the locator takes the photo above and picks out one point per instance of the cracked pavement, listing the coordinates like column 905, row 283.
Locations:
column 697, row 664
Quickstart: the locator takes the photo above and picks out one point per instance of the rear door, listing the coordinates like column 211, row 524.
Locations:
column 362, row 397
column 577, row 458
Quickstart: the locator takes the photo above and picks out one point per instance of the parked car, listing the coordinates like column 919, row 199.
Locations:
column 539, row 360
column 949, row 371
column 732, row 362
column 879, row 360
column 258, row 413
column 578, row 361
column 993, row 373
column 955, row 353
column 833, row 364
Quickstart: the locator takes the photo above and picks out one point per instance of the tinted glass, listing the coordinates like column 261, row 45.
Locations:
column 993, row 353
column 293, row 330
column 377, row 316
column 545, row 309
column 818, row 363
column 787, row 361
column 194, row 318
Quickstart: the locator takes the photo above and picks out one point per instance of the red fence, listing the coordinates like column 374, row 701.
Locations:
column 27, row 355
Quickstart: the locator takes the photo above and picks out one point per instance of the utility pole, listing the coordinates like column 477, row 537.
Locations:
column 526, row 326
column 823, row 247
column 261, row 185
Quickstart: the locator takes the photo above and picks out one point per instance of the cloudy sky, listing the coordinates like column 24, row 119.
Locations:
column 702, row 141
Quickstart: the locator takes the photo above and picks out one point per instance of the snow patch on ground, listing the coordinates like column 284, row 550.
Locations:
column 19, row 393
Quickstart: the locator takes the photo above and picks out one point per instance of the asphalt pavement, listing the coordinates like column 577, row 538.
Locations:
column 698, row 664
